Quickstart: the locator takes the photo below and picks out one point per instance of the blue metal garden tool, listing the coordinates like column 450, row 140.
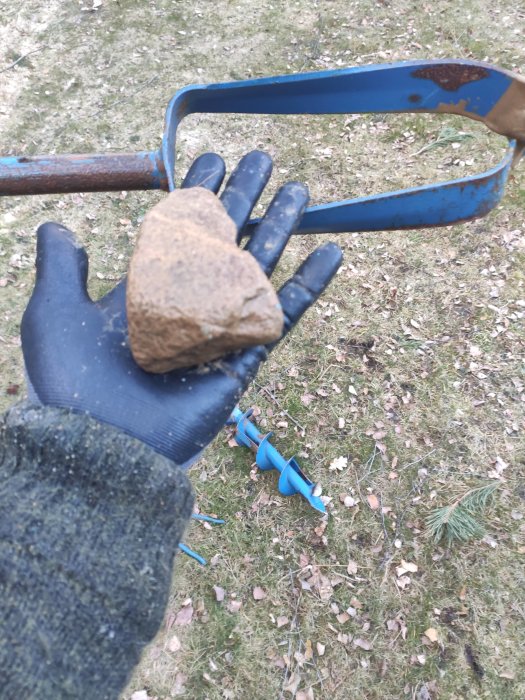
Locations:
column 292, row 479
column 468, row 88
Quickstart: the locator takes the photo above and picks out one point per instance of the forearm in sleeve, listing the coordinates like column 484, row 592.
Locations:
column 90, row 520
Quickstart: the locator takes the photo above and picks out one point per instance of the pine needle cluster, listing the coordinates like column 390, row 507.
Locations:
column 457, row 521
column 446, row 137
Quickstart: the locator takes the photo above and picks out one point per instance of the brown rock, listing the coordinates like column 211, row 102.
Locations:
column 192, row 294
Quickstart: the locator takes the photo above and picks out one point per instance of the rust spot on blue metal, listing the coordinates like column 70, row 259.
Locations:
column 414, row 98
column 451, row 76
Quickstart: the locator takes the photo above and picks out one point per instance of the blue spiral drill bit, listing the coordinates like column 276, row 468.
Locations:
column 292, row 479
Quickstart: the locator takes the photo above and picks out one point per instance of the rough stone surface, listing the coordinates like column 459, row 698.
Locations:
column 192, row 294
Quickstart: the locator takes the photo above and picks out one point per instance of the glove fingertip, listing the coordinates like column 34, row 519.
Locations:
column 206, row 171
column 60, row 259
column 52, row 233
column 318, row 269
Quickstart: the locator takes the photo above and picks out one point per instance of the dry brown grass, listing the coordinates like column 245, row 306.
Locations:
column 447, row 393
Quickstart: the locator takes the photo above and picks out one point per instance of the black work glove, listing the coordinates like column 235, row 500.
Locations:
column 76, row 351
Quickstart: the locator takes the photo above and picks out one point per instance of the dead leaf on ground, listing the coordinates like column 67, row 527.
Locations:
column 305, row 694
column 234, row 606
column 174, row 644
column 363, row 644
column 392, row 625
column 308, row 651
column 184, row 616
column 319, row 530
column 373, row 501
column 406, row 567
column 352, row 567
column 170, row 619
column 319, row 583
column 279, row 662
column 178, row 687
column 403, row 582
column 219, row 593
column 350, row 502
column 259, row 593
column 304, row 560
column 292, row 683
column 338, row 464
column 282, row 620
column 432, row 634
column 426, row 690
column 321, row 648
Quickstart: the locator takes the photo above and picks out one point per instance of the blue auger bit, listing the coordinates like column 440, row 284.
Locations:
column 292, row 479
column 471, row 89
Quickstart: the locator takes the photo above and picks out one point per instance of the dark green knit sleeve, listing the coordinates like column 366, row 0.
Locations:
column 90, row 520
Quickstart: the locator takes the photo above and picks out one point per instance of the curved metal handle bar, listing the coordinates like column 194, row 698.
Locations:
column 442, row 204
column 468, row 88
column 472, row 89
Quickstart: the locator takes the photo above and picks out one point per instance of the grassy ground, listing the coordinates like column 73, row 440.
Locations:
column 410, row 367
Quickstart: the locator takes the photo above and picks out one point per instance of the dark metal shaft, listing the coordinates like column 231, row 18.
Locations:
column 20, row 175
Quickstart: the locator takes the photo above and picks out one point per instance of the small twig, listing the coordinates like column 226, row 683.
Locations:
column 269, row 393
column 127, row 97
column 292, row 627
column 21, row 58
column 401, row 519
column 357, row 579
column 370, row 463
column 419, row 459
column 383, row 523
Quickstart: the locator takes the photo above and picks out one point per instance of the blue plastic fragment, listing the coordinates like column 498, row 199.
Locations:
column 206, row 519
column 192, row 554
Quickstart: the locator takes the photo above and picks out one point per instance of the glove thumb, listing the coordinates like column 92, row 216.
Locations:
column 61, row 263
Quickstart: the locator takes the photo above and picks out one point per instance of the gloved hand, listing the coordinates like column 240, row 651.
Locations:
column 76, row 351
